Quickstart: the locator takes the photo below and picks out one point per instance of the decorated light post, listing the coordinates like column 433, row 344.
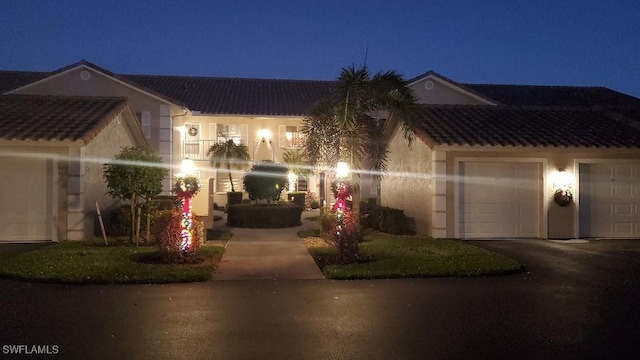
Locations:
column 346, row 234
column 186, row 186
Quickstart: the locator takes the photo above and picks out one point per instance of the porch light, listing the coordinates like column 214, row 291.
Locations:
column 187, row 167
column 562, row 180
column 562, row 184
column 342, row 169
column 264, row 135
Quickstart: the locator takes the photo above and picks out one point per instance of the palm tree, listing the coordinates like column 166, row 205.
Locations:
column 229, row 153
column 297, row 161
column 350, row 126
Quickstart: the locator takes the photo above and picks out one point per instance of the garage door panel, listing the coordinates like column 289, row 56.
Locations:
column 610, row 200
column 23, row 212
column 499, row 200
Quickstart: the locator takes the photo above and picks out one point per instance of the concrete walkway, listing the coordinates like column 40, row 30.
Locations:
column 268, row 254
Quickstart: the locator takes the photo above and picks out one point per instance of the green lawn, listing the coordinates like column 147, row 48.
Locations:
column 82, row 262
column 392, row 256
column 219, row 234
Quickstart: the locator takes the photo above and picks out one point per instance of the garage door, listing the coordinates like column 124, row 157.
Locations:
column 25, row 201
column 499, row 200
column 609, row 200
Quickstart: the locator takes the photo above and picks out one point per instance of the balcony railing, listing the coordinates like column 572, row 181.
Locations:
column 197, row 149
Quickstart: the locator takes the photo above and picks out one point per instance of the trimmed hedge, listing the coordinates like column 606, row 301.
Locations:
column 234, row 198
column 298, row 197
column 264, row 216
column 385, row 219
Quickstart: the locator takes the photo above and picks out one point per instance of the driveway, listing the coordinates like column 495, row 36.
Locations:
column 582, row 260
column 574, row 301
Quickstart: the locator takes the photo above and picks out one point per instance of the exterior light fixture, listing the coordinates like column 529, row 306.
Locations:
column 562, row 184
column 187, row 167
column 342, row 169
column 264, row 135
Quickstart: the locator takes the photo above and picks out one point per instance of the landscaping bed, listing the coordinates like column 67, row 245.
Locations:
column 93, row 263
column 384, row 256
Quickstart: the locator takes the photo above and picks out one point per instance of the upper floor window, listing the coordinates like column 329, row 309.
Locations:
column 235, row 132
column 289, row 136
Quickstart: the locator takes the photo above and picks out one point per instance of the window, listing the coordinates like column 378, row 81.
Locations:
column 222, row 180
column 192, row 148
column 146, row 124
column 289, row 136
column 235, row 132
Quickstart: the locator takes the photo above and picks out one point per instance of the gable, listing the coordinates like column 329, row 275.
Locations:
column 85, row 79
column 435, row 89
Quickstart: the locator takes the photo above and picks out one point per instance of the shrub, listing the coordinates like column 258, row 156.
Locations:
column 386, row 219
column 264, row 216
column 347, row 243
column 298, row 198
column 234, row 198
column 168, row 231
column 311, row 201
column 265, row 181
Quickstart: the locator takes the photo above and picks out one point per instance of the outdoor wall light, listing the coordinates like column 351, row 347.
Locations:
column 342, row 169
column 562, row 184
column 187, row 167
column 264, row 135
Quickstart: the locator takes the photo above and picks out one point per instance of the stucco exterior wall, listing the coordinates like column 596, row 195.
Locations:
column 408, row 184
column 99, row 151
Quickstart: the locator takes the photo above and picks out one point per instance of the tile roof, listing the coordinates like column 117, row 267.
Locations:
column 239, row 96
column 469, row 125
column 34, row 117
column 538, row 95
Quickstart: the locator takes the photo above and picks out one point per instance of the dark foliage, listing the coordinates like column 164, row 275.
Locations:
column 264, row 216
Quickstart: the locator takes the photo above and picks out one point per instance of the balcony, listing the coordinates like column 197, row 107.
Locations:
column 196, row 149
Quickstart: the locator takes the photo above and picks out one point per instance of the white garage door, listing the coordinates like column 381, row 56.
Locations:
column 610, row 200
column 499, row 200
column 25, row 199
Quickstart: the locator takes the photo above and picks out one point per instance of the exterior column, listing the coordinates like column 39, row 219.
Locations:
column 165, row 145
column 75, row 195
column 439, row 206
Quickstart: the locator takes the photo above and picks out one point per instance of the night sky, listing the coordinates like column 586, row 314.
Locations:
column 588, row 42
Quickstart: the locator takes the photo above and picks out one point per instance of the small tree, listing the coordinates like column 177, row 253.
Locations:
column 135, row 174
column 265, row 181
column 229, row 153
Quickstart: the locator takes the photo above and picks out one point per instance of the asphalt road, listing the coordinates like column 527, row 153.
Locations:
column 575, row 301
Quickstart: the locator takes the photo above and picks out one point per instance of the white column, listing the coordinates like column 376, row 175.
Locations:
column 75, row 195
column 165, row 145
column 439, row 206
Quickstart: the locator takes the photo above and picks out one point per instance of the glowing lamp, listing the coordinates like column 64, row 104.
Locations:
column 342, row 169
column 562, row 180
column 187, row 167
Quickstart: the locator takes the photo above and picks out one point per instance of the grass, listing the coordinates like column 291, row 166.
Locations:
column 388, row 256
column 308, row 233
column 91, row 263
column 313, row 218
column 219, row 234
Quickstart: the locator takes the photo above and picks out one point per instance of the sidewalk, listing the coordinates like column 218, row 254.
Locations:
column 268, row 254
